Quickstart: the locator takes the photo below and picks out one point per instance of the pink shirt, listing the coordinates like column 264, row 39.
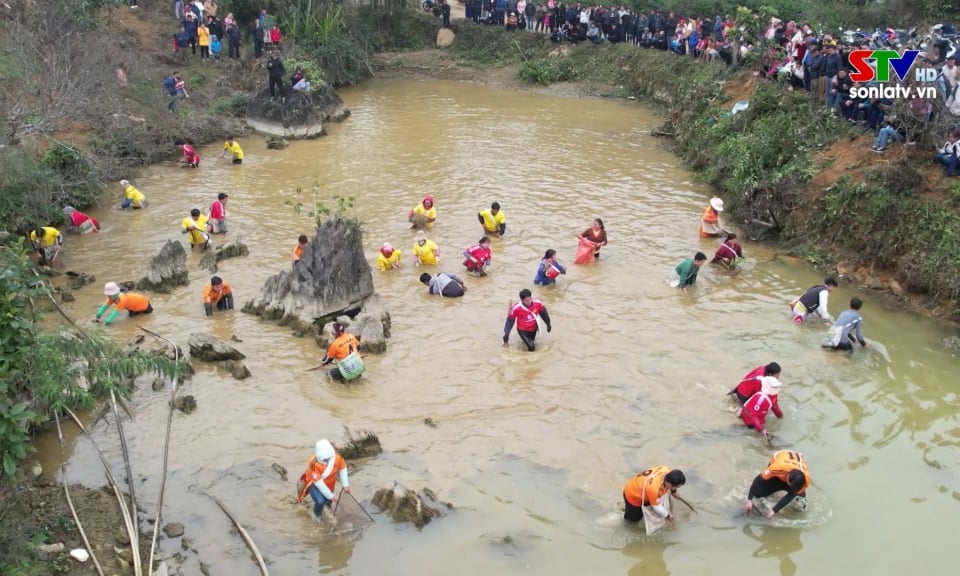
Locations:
column 217, row 210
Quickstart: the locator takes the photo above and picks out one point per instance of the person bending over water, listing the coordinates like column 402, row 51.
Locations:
column 710, row 225
column 755, row 409
column 728, row 252
column 477, row 257
column 847, row 330
column 423, row 214
column 597, row 235
column 524, row 313
column 688, row 270
column 647, row 489
column 425, row 251
column 750, row 384
column 787, row 471
column 814, row 301
column 443, row 284
column 549, row 269
column 388, row 258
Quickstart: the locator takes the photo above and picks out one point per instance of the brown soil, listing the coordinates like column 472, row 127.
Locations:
column 740, row 89
column 99, row 514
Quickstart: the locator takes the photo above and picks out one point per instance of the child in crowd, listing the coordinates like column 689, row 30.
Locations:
column 215, row 47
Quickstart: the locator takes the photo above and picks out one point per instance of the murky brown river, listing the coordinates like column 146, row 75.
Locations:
column 535, row 446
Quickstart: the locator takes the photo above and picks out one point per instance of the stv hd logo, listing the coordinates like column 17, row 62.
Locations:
column 885, row 61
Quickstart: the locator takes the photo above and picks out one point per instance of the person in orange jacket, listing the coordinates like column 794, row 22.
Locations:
column 320, row 478
column 648, row 489
column 302, row 242
column 710, row 225
column 217, row 293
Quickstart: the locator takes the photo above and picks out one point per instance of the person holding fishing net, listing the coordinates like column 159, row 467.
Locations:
column 319, row 480
column 646, row 496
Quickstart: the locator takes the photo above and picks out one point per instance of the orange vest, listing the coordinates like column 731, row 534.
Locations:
column 710, row 217
column 646, row 488
column 315, row 471
column 784, row 462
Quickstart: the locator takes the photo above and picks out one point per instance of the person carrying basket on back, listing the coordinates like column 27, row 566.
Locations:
column 345, row 350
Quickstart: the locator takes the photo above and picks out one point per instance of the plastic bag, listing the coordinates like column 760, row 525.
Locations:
column 673, row 279
column 652, row 520
column 351, row 367
column 585, row 250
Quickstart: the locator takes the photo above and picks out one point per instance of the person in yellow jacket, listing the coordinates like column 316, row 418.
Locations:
column 423, row 214
column 493, row 220
column 203, row 40
column 425, row 251
column 47, row 243
column 388, row 258
column 233, row 148
column 132, row 198
column 319, row 480
column 195, row 226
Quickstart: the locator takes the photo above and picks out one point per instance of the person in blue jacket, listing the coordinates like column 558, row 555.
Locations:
column 549, row 269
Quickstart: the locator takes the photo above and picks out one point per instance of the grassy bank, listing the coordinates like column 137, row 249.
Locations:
column 789, row 171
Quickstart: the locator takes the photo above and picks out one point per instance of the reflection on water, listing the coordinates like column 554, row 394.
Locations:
column 532, row 446
column 777, row 543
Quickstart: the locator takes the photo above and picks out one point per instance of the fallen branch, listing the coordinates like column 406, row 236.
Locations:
column 127, row 519
column 243, row 534
column 66, row 492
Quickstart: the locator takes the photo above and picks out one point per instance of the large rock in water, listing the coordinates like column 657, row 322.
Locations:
column 206, row 347
column 332, row 279
column 167, row 270
column 302, row 116
column 404, row 505
column 232, row 250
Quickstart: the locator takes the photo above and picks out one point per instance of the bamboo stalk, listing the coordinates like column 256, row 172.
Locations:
column 128, row 522
column 126, row 463
column 166, row 447
column 243, row 534
column 66, row 492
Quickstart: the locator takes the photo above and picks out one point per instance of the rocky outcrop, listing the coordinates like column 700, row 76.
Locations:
column 207, row 348
column 332, row 280
column 404, row 505
column 185, row 404
column 445, row 38
column 77, row 280
column 237, row 369
column 371, row 325
column 231, row 250
column 359, row 444
column 167, row 270
column 302, row 116
column 276, row 143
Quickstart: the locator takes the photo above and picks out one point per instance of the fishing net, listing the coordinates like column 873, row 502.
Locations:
column 350, row 512
column 652, row 520
column 584, row 252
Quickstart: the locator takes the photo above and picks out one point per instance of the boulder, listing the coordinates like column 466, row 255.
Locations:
column 167, row 270
column 331, row 280
column 276, row 143
column 896, row 288
column 173, row 529
column 951, row 343
column 302, row 116
column 77, row 280
column 359, row 444
column 185, row 404
column 372, row 326
column 231, row 250
column 404, row 505
column 66, row 296
column 209, row 349
column 445, row 38
column 237, row 369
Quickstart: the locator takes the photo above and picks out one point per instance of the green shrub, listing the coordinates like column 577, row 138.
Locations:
column 311, row 70
column 235, row 105
column 548, row 70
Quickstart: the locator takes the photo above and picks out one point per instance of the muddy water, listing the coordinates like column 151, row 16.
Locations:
column 531, row 446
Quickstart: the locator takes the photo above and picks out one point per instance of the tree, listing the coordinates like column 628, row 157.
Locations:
column 41, row 371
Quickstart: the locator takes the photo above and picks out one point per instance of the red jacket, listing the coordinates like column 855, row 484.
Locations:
column 754, row 414
column 525, row 315
column 750, row 384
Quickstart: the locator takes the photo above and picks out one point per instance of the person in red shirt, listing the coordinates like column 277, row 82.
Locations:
column 754, row 412
column 524, row 313
column 190, row 157
column 478, row 257
column 218, row 215
column 79, row 221
column 750, row 384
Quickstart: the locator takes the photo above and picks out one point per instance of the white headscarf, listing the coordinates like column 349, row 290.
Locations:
column 326, row 454
column 769, row 386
